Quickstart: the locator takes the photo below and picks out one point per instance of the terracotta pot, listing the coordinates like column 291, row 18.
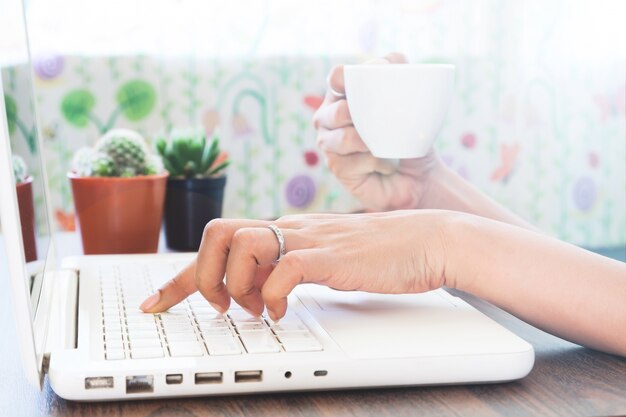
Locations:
column 189, row 205
column 27, row 218
column 119, row 215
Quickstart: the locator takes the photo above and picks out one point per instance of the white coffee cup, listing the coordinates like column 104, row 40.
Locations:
column 398, row 109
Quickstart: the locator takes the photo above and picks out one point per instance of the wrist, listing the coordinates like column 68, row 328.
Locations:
column 436, row 186
column 462, row 257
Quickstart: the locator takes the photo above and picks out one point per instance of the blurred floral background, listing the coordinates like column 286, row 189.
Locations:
column 537, row 121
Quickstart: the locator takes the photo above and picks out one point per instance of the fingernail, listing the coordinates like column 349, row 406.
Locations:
column 217, row 308
column 150, row 301
column 273, row 316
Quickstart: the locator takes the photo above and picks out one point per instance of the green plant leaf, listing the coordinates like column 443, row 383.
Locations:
column 210, row 153
column 11, row 107
column 161, row 145
column 218, row 168
column 176, row 163
column 173, row 171
column 76, row 107
column 136, row 99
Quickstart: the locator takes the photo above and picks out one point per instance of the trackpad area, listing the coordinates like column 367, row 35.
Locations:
column 370, row 326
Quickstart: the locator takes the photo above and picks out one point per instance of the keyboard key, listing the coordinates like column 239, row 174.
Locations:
column 289, row 317
column 142, row 326
column 113, row 330
column 288, row 327
column 295, row 336
column 133, row 311
column 250, row 327
column 259, row 342
column 115, row 354
column 112, row 314
column 114, row 344
column 143, row 343
column 111, row 306
column 112, row 322
column 211, row 322
column 241, row 316
column 302, row 345
column 215, row 331
column 174, row 317
column 143, row 334
column 179, row 328
column 111, row 333
column 146, row 353
column 205, row 310
column 146, row 318
column 189, row 336
column 225, row 345
column 179, row 349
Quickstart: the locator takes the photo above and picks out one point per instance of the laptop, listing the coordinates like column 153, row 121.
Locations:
column 79, row 324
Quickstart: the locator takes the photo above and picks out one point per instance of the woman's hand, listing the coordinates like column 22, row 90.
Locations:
column 383, row 184
column 393, row 253
column 380, row 184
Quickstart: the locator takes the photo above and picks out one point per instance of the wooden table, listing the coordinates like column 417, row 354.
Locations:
column 567, row 380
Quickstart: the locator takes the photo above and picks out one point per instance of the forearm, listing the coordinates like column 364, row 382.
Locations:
column 558, row 287
column 449, row 191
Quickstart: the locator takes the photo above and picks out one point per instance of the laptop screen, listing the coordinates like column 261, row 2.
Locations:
column 28, row 172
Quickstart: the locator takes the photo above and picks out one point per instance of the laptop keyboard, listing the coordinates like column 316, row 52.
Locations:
column 190, row 329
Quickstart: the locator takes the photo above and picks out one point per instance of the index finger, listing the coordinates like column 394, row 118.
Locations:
column 173, row 292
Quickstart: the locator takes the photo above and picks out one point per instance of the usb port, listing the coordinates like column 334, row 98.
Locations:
column 209, row 378
column 172, row 379
column 99, row 382
column 139, row 383
column 248, row 376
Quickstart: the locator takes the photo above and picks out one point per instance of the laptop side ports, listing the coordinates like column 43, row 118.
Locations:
column 209, row 378
column 95, row 382
column 139, row 383
column 248, row 376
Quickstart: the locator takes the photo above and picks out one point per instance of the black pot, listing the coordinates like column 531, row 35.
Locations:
column 189, row 205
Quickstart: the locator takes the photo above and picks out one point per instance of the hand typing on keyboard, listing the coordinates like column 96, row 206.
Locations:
column 346, row 252
column 407, row 252
column 191, row 328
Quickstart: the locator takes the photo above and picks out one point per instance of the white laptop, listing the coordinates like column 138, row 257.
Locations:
column 78, row 322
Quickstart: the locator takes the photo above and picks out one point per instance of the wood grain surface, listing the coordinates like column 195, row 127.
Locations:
column 567, row 380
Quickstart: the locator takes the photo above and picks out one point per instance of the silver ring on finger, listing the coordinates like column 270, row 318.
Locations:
column 281, row 242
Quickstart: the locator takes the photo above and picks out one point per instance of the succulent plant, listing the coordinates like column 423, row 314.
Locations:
column 119, row 153
column 20, row 169
column 189, row 154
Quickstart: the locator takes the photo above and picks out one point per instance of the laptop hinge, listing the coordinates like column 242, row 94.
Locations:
column 62, row 326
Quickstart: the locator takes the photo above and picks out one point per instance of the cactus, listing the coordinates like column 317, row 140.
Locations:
column 127, row 149
column 90, row 163
column 119, row 153
column 188, row 154
column 154, row 165
column 20, row 170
